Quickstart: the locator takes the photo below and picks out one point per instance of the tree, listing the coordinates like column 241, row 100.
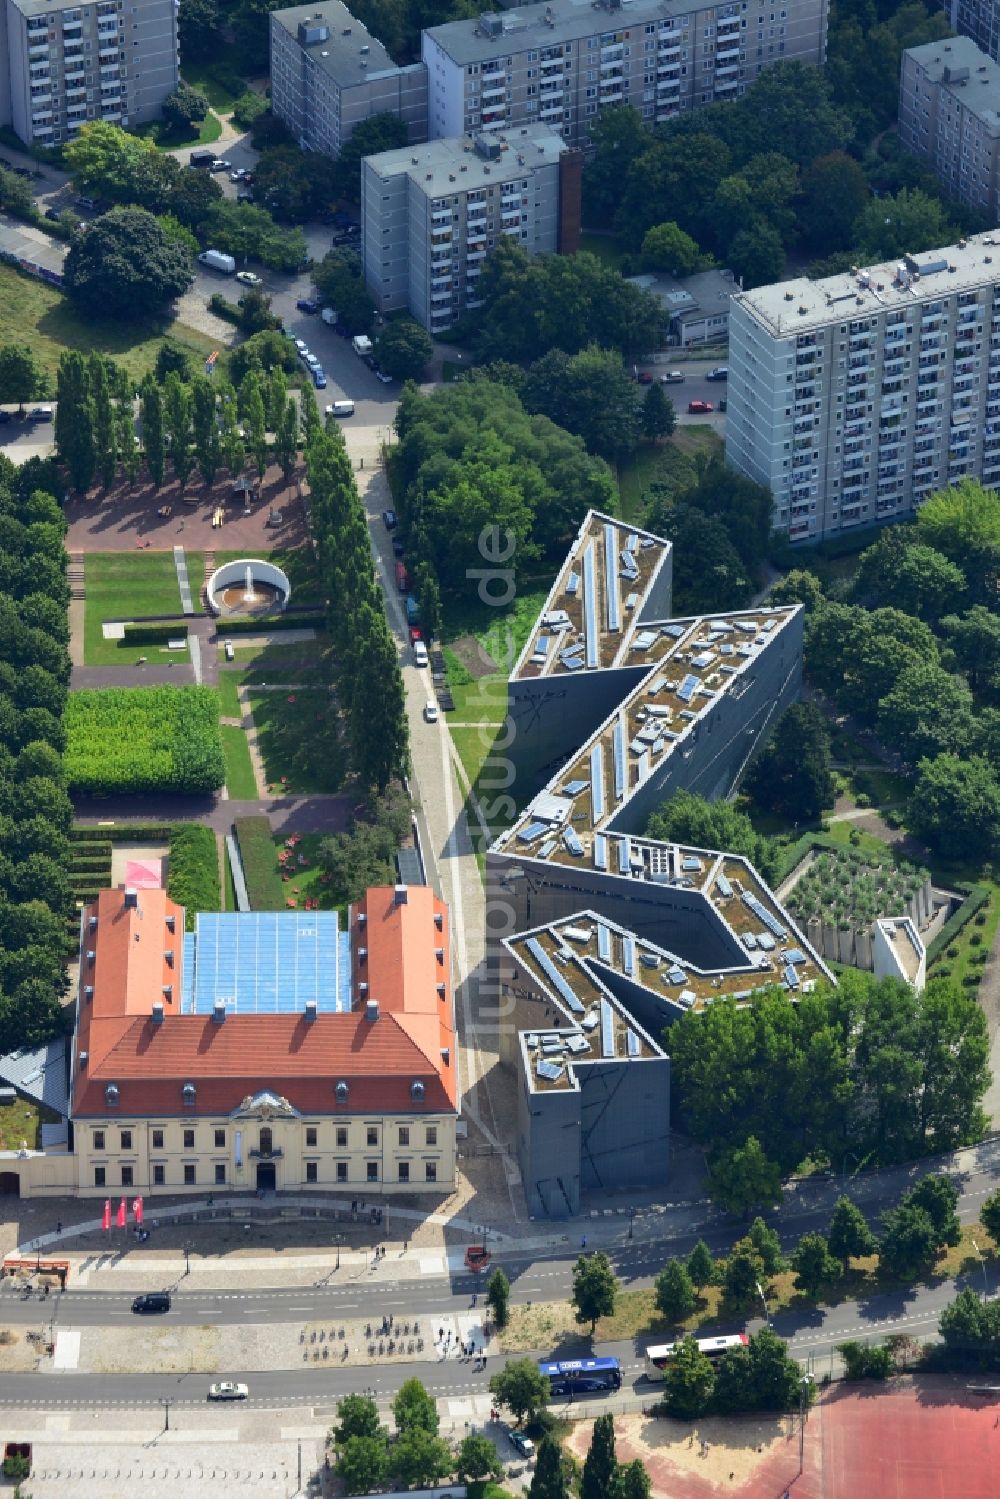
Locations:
column 908, row 1244
column 548, row 1480
column 419, row 1458
column 413, row 1407
column 800, row 586
column 849, row 1236
column 379, row 730
column 231, row 440
column 363, row 1463
column 589, row 394
column 904, row 224
column 205, row 427
column 666, row 247
column 690, row 819
column 742, row 1272
column 657, row 413
column 104, row 159
column 251, row 406
column 631, row 1481
column 105, row 445
column 975, row 639
column 927, row 713
column 675, row 1296
column 498, row 1296
column 744, row 1178
column 595, row 1288
column 970, row 1328
column 21, row 376
column 701, row 1266
column 521, row 1388
column 907, row 574
column 963, row 522
column 177, row 420
column 759, row 1376
column 956, row 804
column 601, row 1464
column 286, row 441
column 792, row 103
column 126, row 266
column 767, row 1244
column 404, row 349
column 834, row 192
column 617, row 138
column 153, row 441
column 184, row 108
column 379, row 132
column 793, row 776
column 688, row 1382
column 477, row 1459
column 357, row 1416
column 255, row 312
column 813, row 1263
column 199, row 30
column 74, row 425
column 989, row 1216
column 937, row 1196
column 756, row 255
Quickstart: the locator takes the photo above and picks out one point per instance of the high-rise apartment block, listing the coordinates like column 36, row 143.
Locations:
column 949, row 113
column 856, row 396
column 328, row 73
column 431, row 214
column 978, row 19
column 561, row 62
column 69, row 64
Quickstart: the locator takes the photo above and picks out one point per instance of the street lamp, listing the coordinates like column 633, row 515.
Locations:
column 804, row 1384
column 187, row 1261
column 982, row 1261
column 166, row 1413
column 763, row 1298
column 631, row 1220
column 338, row 1241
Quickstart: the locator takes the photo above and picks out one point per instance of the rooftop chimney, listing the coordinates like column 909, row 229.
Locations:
column 371, row 1010
column 157, row 1012
column 219, row 1012
column 400, row 896
column 131, row 900
column 310, row 1011
column 84, row 1058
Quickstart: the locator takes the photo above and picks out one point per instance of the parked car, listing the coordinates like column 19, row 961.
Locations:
column 319, row 378
column 227, row 1390
column 307, row 304
column 248, row 278
column 398, row 549
column 83, row 202
column 431, row 714
column 238, row 174
column 152, row 1301
column 244, row 197
column 420, row 657
column 721, row 372
column 389, row 520
column 380, row 374
column 644, row 377
column 520, row 1443
column 700, row 408
column 723, row 404
column 301, row 346
column 221, row 165
column 53, row 214
column 672, row 377
column 5, row 416
column 40, row 414
column 416, row 633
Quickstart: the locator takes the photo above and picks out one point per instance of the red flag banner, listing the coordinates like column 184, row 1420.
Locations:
column 122, row 1214
column 106, row 1220
column 137, row 1211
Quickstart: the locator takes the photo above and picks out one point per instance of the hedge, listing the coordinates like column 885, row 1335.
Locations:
column 122, row 832
column 260, row 863
column 228, row 311
column 144, row 739
column 267, row 622
column 193, row 870
column 152, row 634
column 977, row 897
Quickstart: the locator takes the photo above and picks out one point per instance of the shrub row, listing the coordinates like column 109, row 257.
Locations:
column 260, row 863
column 193, row 870
column 228, row 311
column 975, row 900
column 152, row 634
column 265, row 623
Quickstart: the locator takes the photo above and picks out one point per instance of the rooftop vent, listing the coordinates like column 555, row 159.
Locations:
column 84, row 1058
column 417, row 1091
column 439, row 954
column 439, row 920
column 168, row 956
column 111, row 1095
column 92, row 923
column 88, row 992
column 446, row 1055
column 362, row 918
column 171, row 923
column 365, row 48
column 399, row 894
column 789, row 296
column 442, row 991
column 219, row 1012
column 362, row 989
column 371, row 1010
column 156, row 1014
column 91, row 956
column 131, row 900
column 168, row 991
column 310, row 1011
column 362, row 954
column 340, row 1092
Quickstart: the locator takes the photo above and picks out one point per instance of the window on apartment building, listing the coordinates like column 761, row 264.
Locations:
column 312, row 1171
column 371, row 1170
column 126, row 1139
column 98, row 1139
column 432, row 1134
column 220, row 1139
column 341, row 1137
column 404, row 1134
column 100, row 1176
column 404, row 1171
column 126, row 1176
column 341, row 1171
column 190, row 1176
column 372, row 1135
column 159, row 1175
column 220, row 1173
column 157, row 1139
column 189, row 1139
column 311, row 1135
column 430, row 1171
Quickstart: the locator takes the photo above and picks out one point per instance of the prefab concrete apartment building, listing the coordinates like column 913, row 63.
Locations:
column 561, row 62
column 978, row 19
column 855, row 396
column 949, row 113
column 68, row 64
column 328, row 74
column 431, row 215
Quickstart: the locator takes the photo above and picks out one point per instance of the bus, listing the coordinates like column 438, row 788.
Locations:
column 582, row 1376
column 658, row 1356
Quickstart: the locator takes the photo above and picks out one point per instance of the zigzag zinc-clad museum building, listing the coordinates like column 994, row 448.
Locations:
column 612, row 706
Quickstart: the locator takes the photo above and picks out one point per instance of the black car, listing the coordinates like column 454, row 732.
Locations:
column 53, row 214
column 22, row 171
column 371, row 361
column 398, row 549
column 721, row 372
column 307, row 304
column 6, row 416
column 389, row 520
column 152, row 1301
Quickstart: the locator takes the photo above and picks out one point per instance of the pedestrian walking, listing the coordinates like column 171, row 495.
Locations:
column 583, row 1242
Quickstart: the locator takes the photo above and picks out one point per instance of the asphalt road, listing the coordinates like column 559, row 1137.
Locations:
column 694, row 387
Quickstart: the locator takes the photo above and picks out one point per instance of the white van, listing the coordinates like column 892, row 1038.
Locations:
column 361, row 345
column 340, row 408
column 419, row 653
column 216, row 260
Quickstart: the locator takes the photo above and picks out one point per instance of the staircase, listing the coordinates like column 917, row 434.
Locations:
column 74, row 575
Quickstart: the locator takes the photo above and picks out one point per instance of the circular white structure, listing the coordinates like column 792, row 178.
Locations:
column 248, row 586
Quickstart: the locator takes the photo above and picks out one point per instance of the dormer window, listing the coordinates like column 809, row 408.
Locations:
column 341, row 1092
column 111, row 1095
column 189, row 1094
column 417, row 1091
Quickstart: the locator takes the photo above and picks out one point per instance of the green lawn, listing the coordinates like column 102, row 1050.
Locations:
column 296, row 733
column 240, row 780
column 283, row 655
column 965, row 955
column 127, row 585
column 22, row 1120
column 170, row 138
column 305, row 880
column 32, row 312
column 202, row 76
column 228, row 888
column 670, row 463
column 229, row 699
column 607, row 247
